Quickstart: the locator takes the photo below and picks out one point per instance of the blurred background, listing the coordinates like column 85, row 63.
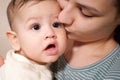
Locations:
column 4, row 44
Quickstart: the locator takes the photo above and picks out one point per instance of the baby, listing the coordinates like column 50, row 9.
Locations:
column 37, row 38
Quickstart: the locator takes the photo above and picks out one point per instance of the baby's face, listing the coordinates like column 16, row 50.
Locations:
column 40, row 35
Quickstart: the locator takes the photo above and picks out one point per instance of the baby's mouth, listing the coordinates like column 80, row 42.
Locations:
column 50, row 46
column 51, row 49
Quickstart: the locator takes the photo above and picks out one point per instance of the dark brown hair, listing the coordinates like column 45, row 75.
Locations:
column 117, row 30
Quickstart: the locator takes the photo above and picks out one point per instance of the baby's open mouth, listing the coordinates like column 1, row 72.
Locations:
column 50, row 46
column 51, row 49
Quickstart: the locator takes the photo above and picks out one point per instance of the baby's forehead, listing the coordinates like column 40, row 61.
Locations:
column 16, row 6
column 21, row 4
column 41, row 6
column 35, row 10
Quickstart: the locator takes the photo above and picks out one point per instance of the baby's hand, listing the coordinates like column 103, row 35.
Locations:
column 1, row 60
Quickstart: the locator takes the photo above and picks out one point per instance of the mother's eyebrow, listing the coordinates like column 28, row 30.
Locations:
column 89, row 8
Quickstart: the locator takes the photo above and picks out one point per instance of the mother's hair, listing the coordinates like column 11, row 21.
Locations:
column 117, row 30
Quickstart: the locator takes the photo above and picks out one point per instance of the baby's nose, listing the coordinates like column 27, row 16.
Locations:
column 50, row 34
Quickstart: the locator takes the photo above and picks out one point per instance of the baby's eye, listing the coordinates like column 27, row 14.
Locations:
column 36, row 27
column 56, row 24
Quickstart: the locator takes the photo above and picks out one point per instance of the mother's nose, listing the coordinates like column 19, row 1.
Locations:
column 66, row 16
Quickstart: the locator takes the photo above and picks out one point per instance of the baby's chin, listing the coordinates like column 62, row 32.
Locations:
column 52, row 60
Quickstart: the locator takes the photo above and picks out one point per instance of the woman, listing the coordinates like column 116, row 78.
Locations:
column 95, row 54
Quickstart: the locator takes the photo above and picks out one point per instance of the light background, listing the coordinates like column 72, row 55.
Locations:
column 4, row 44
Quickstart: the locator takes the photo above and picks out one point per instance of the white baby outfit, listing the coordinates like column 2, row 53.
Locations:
column 18, row 67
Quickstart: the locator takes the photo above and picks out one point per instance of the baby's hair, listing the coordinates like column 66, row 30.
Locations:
column 13, row 7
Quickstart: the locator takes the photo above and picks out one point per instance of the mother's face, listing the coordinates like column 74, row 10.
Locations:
column 88, row 20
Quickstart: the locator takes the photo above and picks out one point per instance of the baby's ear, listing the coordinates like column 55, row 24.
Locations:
column 13, row 40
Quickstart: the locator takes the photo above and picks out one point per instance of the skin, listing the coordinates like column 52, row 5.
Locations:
column 34, row 32
column 91, row 26
column 1, row 61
